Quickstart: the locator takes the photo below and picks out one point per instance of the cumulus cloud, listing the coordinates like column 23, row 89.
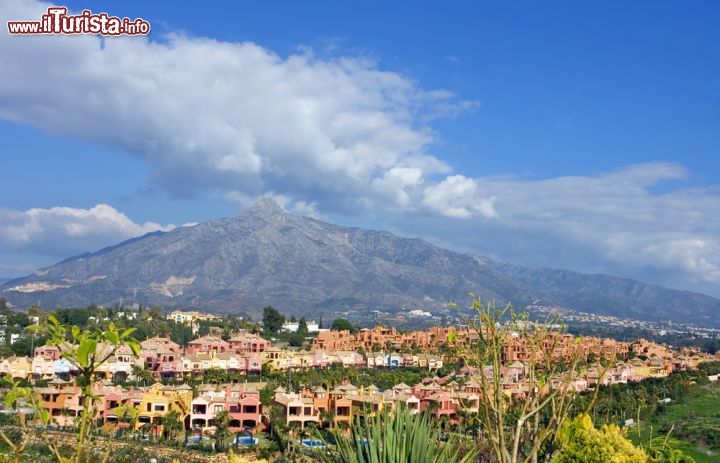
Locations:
column 626, row 220
column 459, row 197
column 237, row 117
column 61, row 230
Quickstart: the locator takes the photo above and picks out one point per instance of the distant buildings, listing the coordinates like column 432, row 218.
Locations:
column 292, row 327
column 190, row 318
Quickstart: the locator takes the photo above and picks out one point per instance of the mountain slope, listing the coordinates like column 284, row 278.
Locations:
column 268, row 256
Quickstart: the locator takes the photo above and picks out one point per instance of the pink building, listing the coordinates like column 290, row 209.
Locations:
column 241, row 401
column 47, row 351
column 248, row 343
column 245, row 412
column 162, row 357
column 208, row 343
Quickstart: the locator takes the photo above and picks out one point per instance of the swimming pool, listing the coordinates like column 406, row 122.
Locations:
column 246, row 440
column 196, row 439
column 313, row 443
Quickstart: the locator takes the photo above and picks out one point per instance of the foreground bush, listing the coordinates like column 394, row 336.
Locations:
column 580, row 442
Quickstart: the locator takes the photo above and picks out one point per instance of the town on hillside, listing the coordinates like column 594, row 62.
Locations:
column 231, row 371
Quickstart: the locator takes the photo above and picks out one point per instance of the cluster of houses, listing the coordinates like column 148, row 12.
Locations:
column 248, row 353
column 245, row 353
column 197, row 411
column 380, row 347
column 561, row 345
column 444, row 397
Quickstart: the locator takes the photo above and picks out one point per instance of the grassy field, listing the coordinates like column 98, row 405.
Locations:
column 695, row 424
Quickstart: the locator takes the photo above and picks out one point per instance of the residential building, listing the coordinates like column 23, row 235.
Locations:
column 248, row 343
column 158, row 400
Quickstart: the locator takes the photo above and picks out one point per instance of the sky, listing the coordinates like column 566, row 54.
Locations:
column 576, row 135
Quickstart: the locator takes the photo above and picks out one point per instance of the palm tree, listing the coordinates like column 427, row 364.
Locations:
column 172, row 425
column 222, row 429
column 396, row 436
column 141, row 374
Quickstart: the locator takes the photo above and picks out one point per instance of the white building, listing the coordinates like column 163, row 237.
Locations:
column 292, row 327
column 419, row 313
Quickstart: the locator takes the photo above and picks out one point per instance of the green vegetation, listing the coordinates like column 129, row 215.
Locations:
column 580, row 442
column 87, row 351
column 340, row 324
column 272, row 321
column 693, row 423
column 382, row 378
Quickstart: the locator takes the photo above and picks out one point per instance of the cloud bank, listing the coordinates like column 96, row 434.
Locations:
column 60, row 230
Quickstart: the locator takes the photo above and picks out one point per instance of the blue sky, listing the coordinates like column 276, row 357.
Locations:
column 563, row 134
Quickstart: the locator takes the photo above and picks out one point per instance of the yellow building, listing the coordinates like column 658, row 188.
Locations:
column 16, row 367
column 365, row 402
column 303, row 359
column 190, row 318
column 160, row 400
column 279, row 359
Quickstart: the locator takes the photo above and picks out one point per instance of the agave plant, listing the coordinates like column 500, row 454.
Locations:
column 397, row 436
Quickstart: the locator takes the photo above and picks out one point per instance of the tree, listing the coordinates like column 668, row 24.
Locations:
column 520, row 429
column 17, row 319
column 126, row 413
column 34, row 311
column 267, row 394
column 4, row 305
column 216, row 376
column 340, row 324
column 272, row 320
column 141, row 375
column 23, row 346
column 6, row 351
column 222, row 429
column 302, row 327
column 580, row 442
column 181, row 333
column 320, row 323
column 398, row 437
column 295, row 339
column 172, row 425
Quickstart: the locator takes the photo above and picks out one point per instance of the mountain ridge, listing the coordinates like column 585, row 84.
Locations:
column 267, row 256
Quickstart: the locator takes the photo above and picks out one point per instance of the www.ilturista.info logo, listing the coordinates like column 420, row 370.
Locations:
column 57, row 21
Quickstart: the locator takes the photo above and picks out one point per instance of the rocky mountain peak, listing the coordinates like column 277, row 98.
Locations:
column 266, row 206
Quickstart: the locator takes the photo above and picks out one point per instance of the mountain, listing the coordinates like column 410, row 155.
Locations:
column 267, row 256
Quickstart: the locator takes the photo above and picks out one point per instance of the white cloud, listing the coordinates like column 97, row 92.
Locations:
column 458, row 197
column 613, row 221
column 63, row 230
column 236, row 117
column 395, row 183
